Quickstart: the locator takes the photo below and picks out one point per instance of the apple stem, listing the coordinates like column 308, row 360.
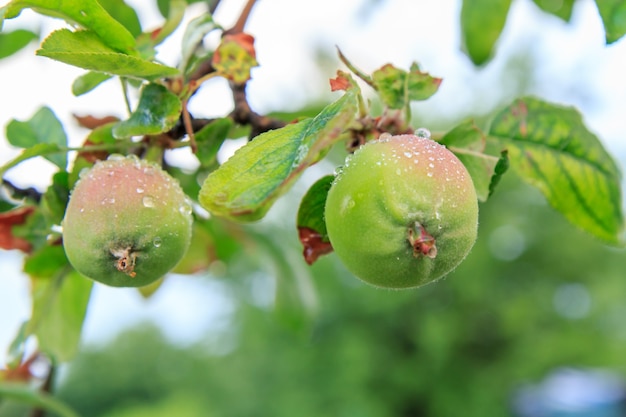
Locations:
column 126, row 259
column 421, row 241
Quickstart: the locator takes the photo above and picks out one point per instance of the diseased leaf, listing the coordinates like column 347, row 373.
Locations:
column 561, row 9
column 158, row 111
column 467, row 142
column 235, row 57
column 87, row 13
column 550, row 147
column 310, row 221
column 247, row 184
column 43, row 127
column 397, row 88
column 84, row 49
column 482, row 22
column 613, row 13
column 11, row 42
column 87, row 82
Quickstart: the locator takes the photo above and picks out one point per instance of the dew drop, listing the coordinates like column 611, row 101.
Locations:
column 148, row 201
column 431, row 165
column 422, row 132
column 398, row 171
column 384, row 137
column 140, row 190
column 157, row 241
column 185, row 208
column 430, row 174
column 408, row 154
column 116, row 157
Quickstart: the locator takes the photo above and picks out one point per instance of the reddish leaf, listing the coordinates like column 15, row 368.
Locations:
column 7, row 221
column 92, row 122
column 340, row 83
column 314, row 245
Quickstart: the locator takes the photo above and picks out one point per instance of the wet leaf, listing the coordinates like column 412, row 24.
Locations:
column 246, row 185
column 12, row 42
column 158, row 111
column 43, row 127
column 550, row 147
column 310, row 221
column 86, row 50
column 482, row 22
column 87, row 13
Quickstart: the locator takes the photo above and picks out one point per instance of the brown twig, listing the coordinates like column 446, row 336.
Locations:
column 244, row 115
column 17, row 192
column 243, row 19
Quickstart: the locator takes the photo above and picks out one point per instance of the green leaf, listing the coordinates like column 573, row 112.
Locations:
column 196, row 30
column 84, row 49
column 60, row 298
column 501, row 167
column 550, row 147
column 482, row 22
column 158, row 111
column 24, row 393
column 613, row 13
column 87, row 13
column 246, row 185
column 310, row 221
column 561, row 9
column 175, row 13
column 54, row 199
column 40, row 149
column 11, row 42
column 43, row 127
column 88, row 81
column 59, row 309
column 209, row 139
column 467, row 142
column 124, row 14
column 397, row 88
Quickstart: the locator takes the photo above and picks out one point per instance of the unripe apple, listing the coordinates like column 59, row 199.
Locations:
column 402, row 212
column 127, row 223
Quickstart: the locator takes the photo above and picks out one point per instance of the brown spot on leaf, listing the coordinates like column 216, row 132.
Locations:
column 314, row 245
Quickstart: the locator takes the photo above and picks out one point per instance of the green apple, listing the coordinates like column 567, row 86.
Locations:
column 402, row 212
column 127, row 223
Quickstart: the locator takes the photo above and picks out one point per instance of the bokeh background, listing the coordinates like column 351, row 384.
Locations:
column 531, row 324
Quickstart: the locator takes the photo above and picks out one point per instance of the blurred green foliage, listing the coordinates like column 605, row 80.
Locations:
column 533, row 295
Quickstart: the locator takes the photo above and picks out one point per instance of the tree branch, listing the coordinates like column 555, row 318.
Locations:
column 244, row 115
column 19, row 193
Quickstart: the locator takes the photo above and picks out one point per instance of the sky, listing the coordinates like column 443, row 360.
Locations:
column 571, row 65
